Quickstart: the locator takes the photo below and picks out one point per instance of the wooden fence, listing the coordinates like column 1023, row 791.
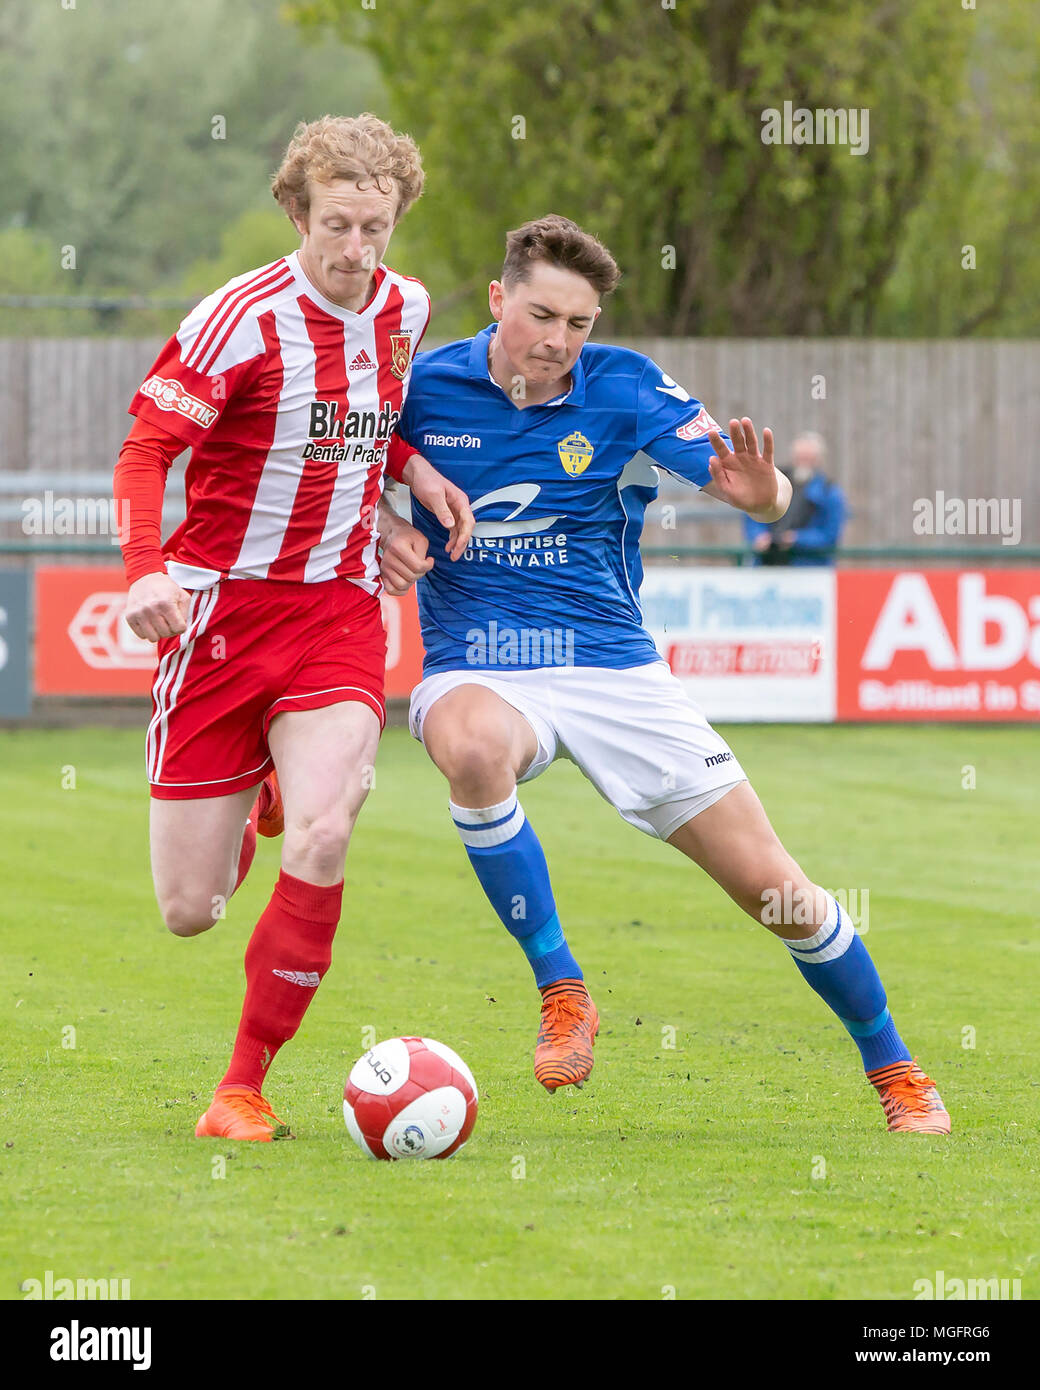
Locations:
column 902, row 420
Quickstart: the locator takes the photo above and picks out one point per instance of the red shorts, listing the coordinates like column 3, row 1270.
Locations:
column 254, row 648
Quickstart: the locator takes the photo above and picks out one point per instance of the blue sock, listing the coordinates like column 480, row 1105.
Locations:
column 838, row 967
column 510, row 864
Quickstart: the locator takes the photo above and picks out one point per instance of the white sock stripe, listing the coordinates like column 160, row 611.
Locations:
column 473, row 817
column 481, row 838
column 834, row 937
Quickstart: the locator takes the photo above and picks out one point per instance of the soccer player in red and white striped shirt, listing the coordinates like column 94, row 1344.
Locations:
column 286, row 384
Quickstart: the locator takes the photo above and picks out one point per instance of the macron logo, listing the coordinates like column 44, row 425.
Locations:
column 453, row 441
column 362, row 363
column 309, row 979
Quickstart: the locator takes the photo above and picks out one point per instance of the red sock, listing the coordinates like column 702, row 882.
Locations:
column 245, row 857
column 289, row 952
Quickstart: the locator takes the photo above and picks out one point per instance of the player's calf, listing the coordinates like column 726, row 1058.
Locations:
column 197, row 849
column 735, row 843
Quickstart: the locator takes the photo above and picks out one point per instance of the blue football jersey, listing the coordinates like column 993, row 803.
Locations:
column 552, row 574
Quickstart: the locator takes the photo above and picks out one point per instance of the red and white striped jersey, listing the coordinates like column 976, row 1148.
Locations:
column 288, row 402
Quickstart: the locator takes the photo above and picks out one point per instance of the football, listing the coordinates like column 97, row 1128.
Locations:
column 410, row 1098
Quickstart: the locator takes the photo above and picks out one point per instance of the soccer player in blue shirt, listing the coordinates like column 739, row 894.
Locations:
column 535, row 647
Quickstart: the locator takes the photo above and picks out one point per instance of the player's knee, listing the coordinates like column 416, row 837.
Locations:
column 319, row 842
column 790, row 901
column 472, row 756
column 191, row 916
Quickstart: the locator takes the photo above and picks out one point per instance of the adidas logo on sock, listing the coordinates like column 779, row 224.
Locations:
column 362, row 363
column 309, row 979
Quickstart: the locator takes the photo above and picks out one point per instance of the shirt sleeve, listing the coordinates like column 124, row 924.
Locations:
column 398, row 452
column 672, row 427
column 138, row 487
column 203, row 366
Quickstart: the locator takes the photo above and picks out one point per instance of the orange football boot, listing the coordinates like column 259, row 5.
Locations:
column 271, row 820
column 563, row 1054
column 238, row 1112
column 909, row 1099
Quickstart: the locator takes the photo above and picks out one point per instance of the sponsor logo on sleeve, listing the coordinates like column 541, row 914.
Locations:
column 698, row 427
column 171, row 395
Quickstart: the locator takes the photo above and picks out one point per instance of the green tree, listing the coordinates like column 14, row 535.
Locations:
column 644, row 122
column 970, row 261
column 137, row 134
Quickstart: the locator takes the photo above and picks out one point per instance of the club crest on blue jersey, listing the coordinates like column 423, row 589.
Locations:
column 575, row 453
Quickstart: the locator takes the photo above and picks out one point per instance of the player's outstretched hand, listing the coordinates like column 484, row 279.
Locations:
column 403, row 558
column 742, row 476
column 156, row 607
column 448, row 503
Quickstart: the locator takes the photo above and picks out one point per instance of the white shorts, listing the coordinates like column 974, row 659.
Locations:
column 634, row 733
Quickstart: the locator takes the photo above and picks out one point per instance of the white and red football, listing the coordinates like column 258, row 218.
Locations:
column 410, row 1098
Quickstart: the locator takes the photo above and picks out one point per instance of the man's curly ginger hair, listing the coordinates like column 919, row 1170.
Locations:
column 362, row 148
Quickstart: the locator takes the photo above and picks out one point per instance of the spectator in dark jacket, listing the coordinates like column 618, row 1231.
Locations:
column 809, row 531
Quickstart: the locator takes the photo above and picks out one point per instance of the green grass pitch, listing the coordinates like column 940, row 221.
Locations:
column 726, row 1146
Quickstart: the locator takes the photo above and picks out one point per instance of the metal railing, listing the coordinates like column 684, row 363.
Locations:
column 736, row 554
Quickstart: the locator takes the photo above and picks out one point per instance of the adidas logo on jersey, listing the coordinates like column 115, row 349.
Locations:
column 309, row 979
column 362, row 363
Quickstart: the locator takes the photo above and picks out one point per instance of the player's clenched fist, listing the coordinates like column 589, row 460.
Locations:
column 156, row 607
column 402, row 558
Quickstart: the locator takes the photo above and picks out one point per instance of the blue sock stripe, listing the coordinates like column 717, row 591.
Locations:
column 544, row 939
column 485, row 824
column 870, row 1027
column 813, row 950
column 795, row 946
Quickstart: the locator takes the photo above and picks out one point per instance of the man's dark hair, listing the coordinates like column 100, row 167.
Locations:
column 558, row 241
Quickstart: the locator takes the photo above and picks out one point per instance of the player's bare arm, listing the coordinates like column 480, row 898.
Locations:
column 746, row 478
column 448, row 503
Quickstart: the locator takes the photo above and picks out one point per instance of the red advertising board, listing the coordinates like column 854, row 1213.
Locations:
column 84, row 647
column 938, row 644
column 910, row 644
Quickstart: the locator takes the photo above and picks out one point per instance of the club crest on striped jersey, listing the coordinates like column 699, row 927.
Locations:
column 400, row 354
column 575, row 453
